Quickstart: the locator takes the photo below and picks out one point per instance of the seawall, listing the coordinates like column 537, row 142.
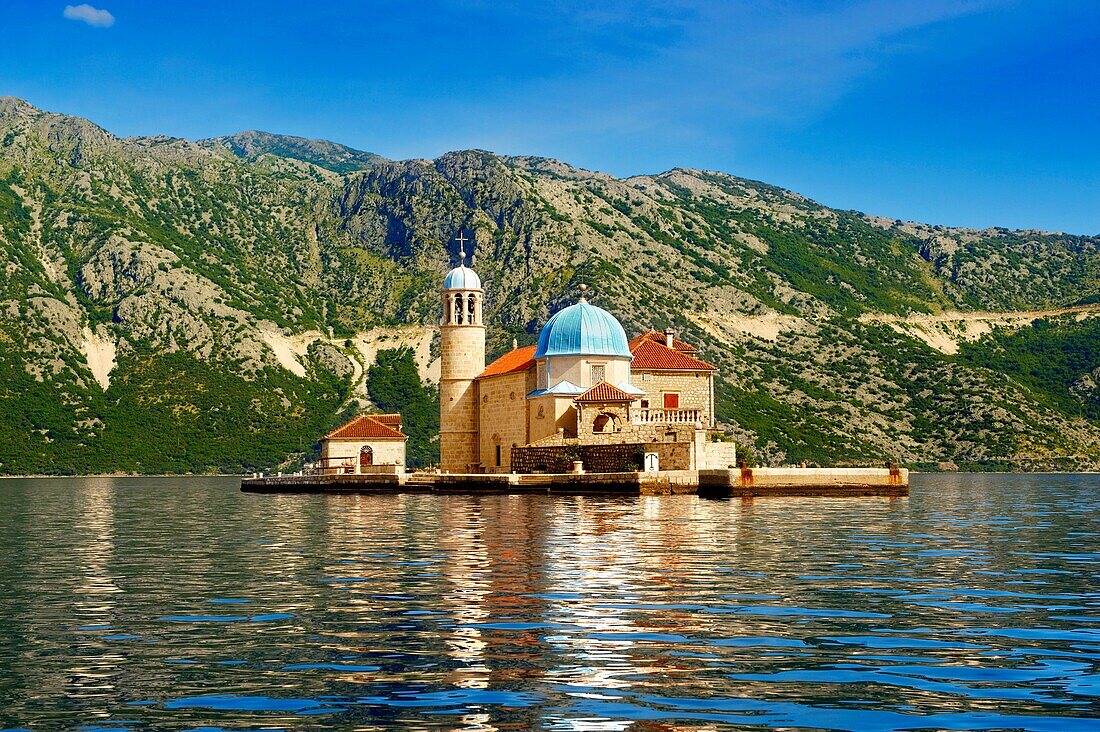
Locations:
column 745, row 482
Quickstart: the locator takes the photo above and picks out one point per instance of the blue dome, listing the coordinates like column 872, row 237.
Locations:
column 582, row 330
column 462, row 278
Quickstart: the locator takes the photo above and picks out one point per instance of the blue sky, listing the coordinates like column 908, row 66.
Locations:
column 971, row 113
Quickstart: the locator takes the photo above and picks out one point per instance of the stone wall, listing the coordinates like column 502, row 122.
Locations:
column 607, row 458
column 548, row 415
column 502, row 416
column 587, row 414
column 717, row 455
column 386, row 452
column 462, row 357
column 694, row 388
column 636, row 433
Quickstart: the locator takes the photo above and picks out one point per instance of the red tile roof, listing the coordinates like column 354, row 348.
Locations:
column 604, row 392
column 393, row 420
column 368, row 426
column 658, row 337
column 652, row 356
column 512, row 362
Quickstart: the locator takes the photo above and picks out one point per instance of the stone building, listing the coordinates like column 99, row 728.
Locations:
column 462, row 358
column 583, row 386
column 370, row 443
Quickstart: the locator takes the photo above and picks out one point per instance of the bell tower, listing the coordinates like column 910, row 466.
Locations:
column 462, row 358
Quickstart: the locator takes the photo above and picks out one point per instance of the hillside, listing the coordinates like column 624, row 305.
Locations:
column 169, row 305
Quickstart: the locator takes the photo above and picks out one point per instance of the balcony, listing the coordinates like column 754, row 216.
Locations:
column 667, row 416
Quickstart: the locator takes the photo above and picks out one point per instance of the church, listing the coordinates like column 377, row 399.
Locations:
column 583, row 391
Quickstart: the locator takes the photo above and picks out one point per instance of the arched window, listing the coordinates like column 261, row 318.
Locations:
column 366, row 457
column 606, row 423
column 470, row 311
column 458, row 310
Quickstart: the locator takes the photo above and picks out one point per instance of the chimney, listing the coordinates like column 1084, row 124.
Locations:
column 669, row 333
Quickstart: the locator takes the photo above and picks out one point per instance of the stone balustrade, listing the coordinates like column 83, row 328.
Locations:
column 667, row 416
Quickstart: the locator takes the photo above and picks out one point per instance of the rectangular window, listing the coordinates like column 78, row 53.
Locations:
column 597, row 373
column 498, row 456
column 645, row 404
column 542, row 376
column 672, row 400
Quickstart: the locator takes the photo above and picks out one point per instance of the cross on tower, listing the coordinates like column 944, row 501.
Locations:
column 461, row 248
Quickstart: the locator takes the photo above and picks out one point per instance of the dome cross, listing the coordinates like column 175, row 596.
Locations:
column 461, row 248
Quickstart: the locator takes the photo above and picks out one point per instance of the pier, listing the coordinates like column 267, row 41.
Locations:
column 731, row 483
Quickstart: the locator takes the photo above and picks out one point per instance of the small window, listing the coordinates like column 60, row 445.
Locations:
column 498, row 456
column 645, row 404
column 647, row 377
column 542, row 376
column 672, row 400
column 597, row 373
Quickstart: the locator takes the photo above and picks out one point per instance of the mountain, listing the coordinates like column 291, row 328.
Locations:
column 169, row 305
column 329, row 155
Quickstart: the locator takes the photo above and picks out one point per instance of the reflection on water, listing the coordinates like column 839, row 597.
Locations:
column 182, row 603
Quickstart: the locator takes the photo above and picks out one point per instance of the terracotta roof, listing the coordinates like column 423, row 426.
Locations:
column 604, row 392
column 649, row 355
column 367, row 426
column 659, row 337
column 393, row 420
column 512, row 362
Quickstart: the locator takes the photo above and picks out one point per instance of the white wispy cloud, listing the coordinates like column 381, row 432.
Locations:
column 85, row 13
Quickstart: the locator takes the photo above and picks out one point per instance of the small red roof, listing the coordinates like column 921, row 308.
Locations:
column 369, row 426
column 512, row 362
column 604, row 392
column 658, row 337
column 649, row 355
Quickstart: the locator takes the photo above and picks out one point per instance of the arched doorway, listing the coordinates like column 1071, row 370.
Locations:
column 366, row 457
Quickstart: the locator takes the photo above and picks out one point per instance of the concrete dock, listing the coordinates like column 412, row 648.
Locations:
column 743, row 482
column 746, row 482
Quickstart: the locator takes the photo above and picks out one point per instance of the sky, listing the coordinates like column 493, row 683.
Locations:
column 968, row 113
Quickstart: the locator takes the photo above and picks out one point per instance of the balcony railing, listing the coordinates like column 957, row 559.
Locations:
column 667, row 416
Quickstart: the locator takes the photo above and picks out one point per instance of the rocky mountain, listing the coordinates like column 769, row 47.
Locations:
column 169, row 305
column 329, row 155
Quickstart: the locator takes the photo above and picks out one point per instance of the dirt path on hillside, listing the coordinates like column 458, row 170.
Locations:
column 945, row 331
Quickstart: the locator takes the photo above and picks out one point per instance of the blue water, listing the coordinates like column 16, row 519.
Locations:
column 184, row 604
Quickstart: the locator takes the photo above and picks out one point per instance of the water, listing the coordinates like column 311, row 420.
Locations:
column 184, row 604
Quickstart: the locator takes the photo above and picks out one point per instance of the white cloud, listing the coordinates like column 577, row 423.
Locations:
column 87, row 14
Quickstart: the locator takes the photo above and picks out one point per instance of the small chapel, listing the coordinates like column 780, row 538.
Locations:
column 584, row 389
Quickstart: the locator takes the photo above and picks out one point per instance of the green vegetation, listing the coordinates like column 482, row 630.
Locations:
column 164, row 413
column 394, row 385
column 1057, row 360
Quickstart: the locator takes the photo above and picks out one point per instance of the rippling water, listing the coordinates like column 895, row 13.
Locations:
column 183, row 603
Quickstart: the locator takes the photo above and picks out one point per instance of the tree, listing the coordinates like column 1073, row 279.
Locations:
column 394, row 385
